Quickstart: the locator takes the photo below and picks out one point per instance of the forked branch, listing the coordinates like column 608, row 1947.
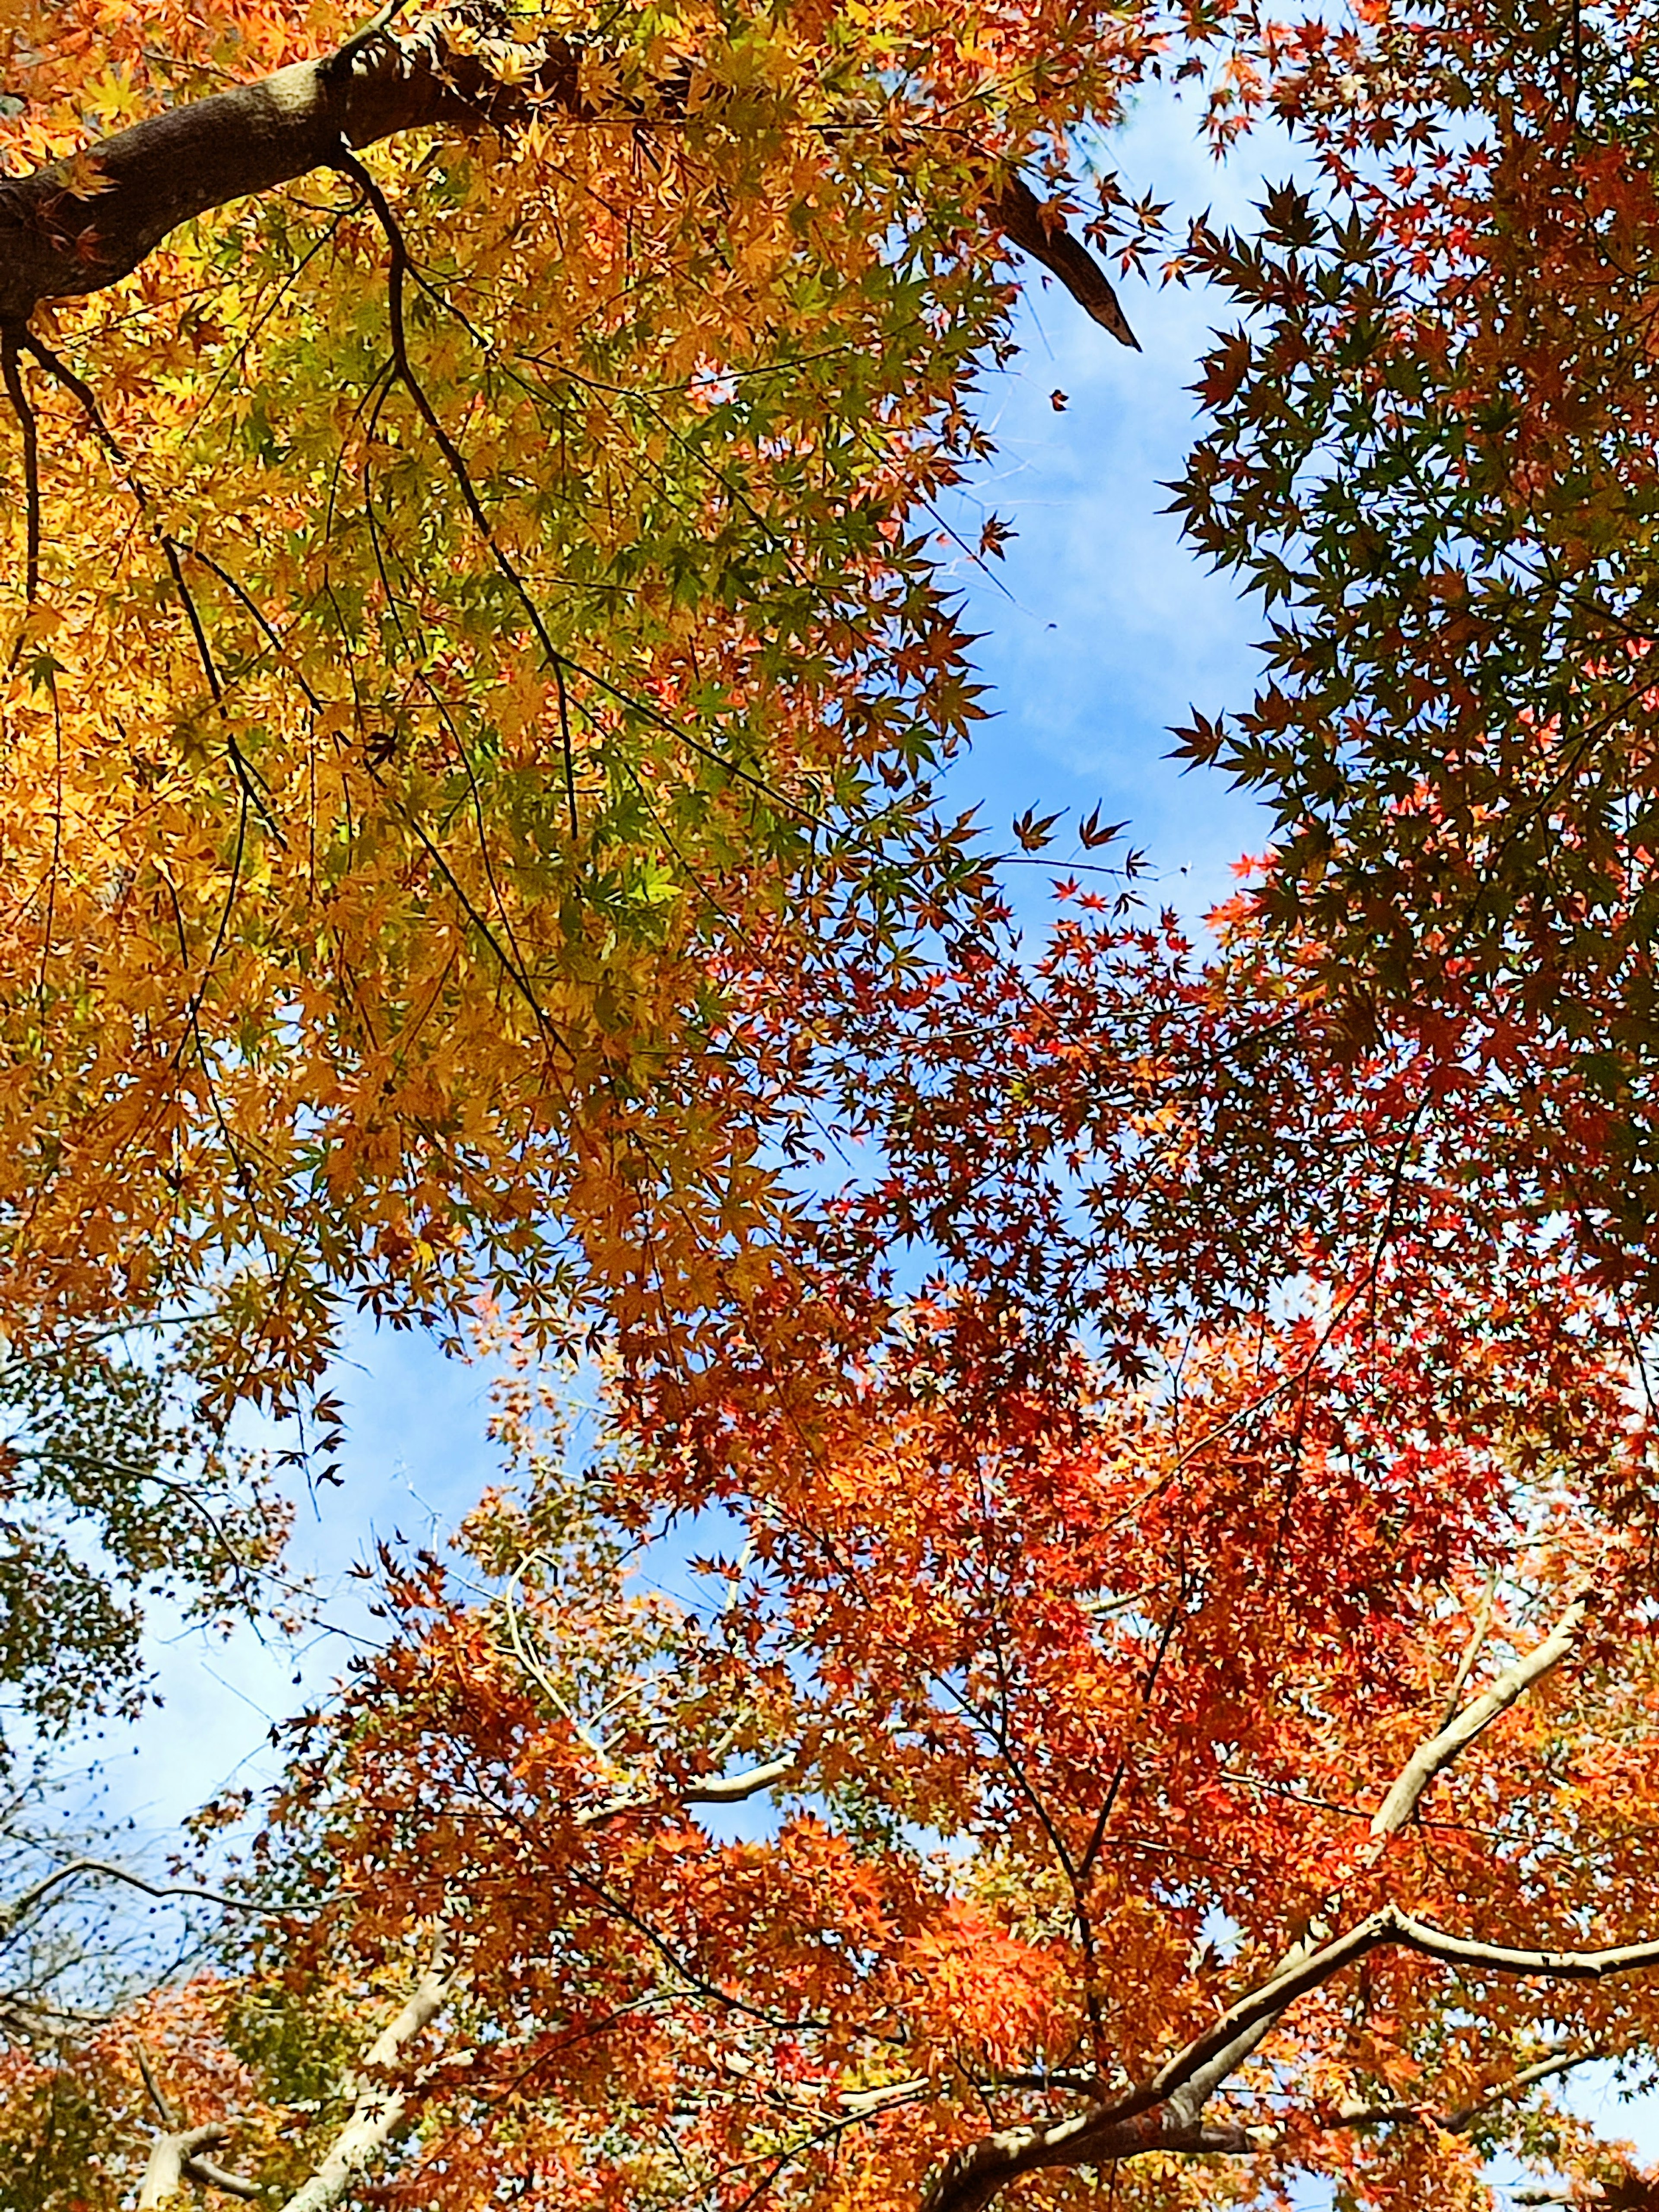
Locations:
column 1165, row 2113
column 182, row 2156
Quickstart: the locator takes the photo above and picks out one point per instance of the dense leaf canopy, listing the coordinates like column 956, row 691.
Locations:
column 1179, row 1506
column 1222, row 1766
column 467, row 599
column 1431, row 449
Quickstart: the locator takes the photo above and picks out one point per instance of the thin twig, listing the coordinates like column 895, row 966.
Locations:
column 163, row 2109
column 76, row 1868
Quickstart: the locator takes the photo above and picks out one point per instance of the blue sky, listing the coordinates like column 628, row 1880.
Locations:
column 1099, row 632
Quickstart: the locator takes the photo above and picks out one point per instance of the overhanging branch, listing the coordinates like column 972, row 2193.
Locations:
column 64, row 233
column 70, row 229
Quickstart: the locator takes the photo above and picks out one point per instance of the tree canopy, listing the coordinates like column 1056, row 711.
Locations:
column 456, row 606
column 1219, row 1764
column 1179, row 1504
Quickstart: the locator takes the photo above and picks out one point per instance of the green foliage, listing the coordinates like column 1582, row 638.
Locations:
column 111, row 1496
column 1432, row 449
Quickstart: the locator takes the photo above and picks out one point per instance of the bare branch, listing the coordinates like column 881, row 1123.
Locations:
column 1433, row 1757
column 164, row 2174
column 863, row 2102
column 716, row 1789
column 14, row 1909
column 975, row 2177
column 733, row 1789
column 1020, row 216
column 1357, row 2116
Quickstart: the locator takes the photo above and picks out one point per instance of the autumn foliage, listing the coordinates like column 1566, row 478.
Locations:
column 1101, row 1645
column 468, row 599
column 1187, row 1760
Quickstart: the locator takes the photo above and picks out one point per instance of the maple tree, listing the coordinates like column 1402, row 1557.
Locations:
column 456, row 603
column 1429, row 446
column 451, row 612
column 473, row 680
column 1212, row 1760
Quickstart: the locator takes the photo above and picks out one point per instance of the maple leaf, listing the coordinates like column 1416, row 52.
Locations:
column 1033, row 831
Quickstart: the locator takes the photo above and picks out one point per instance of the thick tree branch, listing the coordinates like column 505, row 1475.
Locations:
column 733, row 1789
column 1020, row 216
column 210, row 2176
column 1433, row 1757
column 60, row 237
column 175, row 2158
column 1390, row 1928
column 71, row 230
column 180, row 2155
column 378, row 2108
column 1149, row 2119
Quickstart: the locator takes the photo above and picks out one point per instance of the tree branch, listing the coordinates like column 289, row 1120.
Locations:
column 1463, row 2118
column 17, row 393
column 733, row 1789
column 1472, row 1651
column 1165, row 2114
column 1433, row 1757
column 17, row 1907
column 170, row 2158
column 164, row 2112
column 1502, row 2093
column 59, row 242
column 178, row 2154
column 64, row 233
column 378, row 2110
column 1136, row 2125
column 203, row 2170
column 1021, row 216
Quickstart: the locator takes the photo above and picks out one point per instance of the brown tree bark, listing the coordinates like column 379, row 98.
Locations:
column 65, row 231
column 57, row 242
